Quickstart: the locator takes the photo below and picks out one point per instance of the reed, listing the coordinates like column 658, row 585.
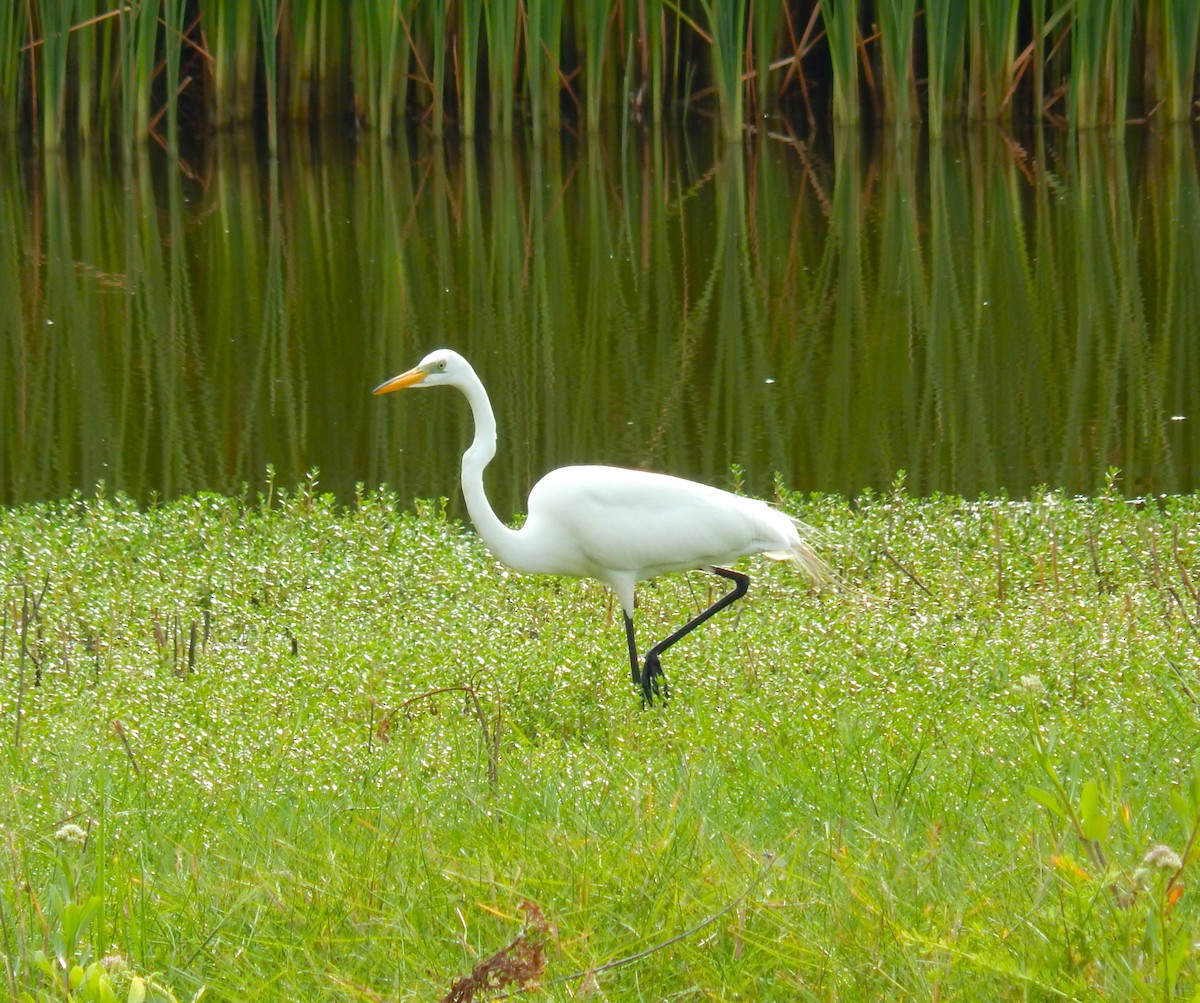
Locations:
column 1100, row 56
column 596, row 43
column 896, row 19
column 1172, row 38
column 173, row 27
column 501, row 23
column 945, row 31
column 467, row 63
column 991, row 55
column 841, row 29
column 543, row 61
column 381, row 50
column 232, row 34
column 300, row 44
column 87, row 74
column 268, row 23
column 726, row 22
column 770, row 20
column 81, row 65
column 429, row 31
column 52, row 59
column 12, row 58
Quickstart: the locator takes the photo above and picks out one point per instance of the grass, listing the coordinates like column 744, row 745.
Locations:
column 546, row 65
column 324, row 752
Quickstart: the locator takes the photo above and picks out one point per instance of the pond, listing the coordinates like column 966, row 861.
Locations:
column 989, row 313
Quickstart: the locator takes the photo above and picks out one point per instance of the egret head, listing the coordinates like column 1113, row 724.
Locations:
column 436, row 369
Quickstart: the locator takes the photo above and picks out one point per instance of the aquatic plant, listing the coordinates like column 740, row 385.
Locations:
column 543, row 63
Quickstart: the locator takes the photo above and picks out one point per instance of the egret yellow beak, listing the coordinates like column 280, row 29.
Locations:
column 413, row 376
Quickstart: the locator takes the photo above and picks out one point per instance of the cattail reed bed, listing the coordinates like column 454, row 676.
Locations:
column 78, row 68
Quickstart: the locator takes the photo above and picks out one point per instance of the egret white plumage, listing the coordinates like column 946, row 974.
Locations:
column 615, row 525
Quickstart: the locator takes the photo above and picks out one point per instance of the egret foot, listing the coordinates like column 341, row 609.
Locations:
column 652, row 672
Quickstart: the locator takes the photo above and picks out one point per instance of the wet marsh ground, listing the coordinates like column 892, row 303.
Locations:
column 272, row 746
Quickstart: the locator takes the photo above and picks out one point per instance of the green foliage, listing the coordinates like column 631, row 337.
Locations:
column 841, row 26
column 945, row 29
column 320, row 750
column 546, row 61
column 70, row 971
column 1120, row 906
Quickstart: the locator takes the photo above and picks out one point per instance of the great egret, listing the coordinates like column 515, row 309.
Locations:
column 616, row 525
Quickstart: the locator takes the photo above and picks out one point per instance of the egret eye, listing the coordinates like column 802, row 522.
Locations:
column 441, row 363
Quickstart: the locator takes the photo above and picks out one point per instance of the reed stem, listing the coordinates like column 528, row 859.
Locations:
column 75, row 66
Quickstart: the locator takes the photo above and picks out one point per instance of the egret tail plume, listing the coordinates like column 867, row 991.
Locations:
column 803, row 556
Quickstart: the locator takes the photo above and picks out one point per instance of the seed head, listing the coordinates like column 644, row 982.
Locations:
column 1162, row 857
column 71, row 833
column 1028, row 686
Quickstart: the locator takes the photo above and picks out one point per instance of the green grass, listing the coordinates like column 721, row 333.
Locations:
column 943, row 778
column 69, row 68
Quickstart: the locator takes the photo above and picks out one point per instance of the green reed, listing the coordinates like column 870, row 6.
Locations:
column 75, row 65
column 12, row 41
column 597, row 44
column 268, row 24
column 89, row 69
column 381, row 48
column 543, row 61
column 991, row 54
column 726, row 23
column 896, row 19
column 52, row 58
column 501, row 19
column 1173, row 36
column 945, row 30
column 765, row 36
column 232, row 33
column 435, row 34
column 139, row 31
column 467, row 61
column 841, row 28
column 1100, row 63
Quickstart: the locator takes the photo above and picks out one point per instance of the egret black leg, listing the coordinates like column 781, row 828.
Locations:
column 651, row 666
column 634, row 661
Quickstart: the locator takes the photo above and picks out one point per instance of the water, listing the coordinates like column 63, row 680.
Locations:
column 986, row 314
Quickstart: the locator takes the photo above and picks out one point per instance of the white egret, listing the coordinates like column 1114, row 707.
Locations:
column 616, row 525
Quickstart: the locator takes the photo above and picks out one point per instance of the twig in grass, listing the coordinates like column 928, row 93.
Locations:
column 191, row 661
column 908, row 572
column 1183, row 571
column 490, row 732
column 590, row 973
column 1183, row 609
column 30, row 606
column 1182, row 680
column 999, row 555
column 1102, row 584
column 119, row 728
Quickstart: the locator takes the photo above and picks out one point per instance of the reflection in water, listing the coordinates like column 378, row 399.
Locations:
column 984, row 315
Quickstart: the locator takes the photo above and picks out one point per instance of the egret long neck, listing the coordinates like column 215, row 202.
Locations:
column 501, row 540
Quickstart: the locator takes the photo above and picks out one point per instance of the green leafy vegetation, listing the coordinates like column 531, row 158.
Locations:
column 272, row 746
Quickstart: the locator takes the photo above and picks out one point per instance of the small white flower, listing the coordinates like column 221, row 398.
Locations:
column 1162, row 857
column 1157, row 858
column 71, row 833
column 1028, row 686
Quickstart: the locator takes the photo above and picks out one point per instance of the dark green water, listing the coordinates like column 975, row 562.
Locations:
column 985, row 314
